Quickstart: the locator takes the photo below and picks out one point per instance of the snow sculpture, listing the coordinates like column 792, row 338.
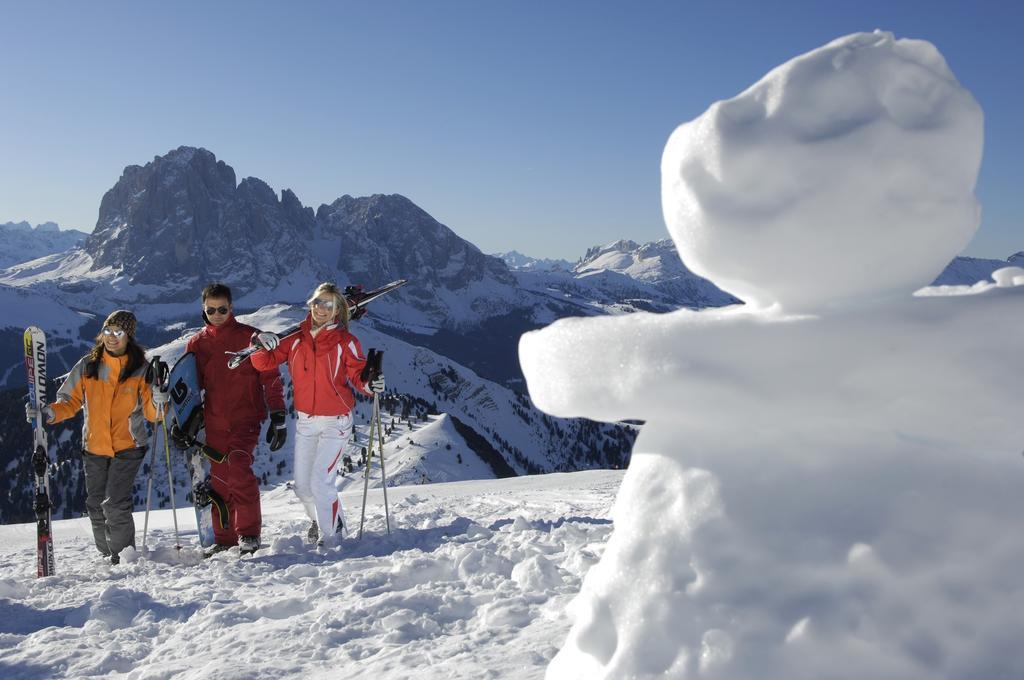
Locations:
column 849, row 155
column 827, row 473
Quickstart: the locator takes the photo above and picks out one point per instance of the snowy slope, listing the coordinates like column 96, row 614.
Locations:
column 471, row 583
column 430, row 453
column 23, row 307
column 964, row 271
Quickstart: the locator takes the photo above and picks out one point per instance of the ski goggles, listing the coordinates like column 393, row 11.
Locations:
column 323, row 304
column 210, row 311
column 113, row 333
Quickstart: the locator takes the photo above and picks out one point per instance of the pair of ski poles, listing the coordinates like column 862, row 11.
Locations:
column 158, row 371
column 376, row 436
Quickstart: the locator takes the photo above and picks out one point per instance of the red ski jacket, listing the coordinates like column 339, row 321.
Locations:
column 236, row 397
column 320, row 368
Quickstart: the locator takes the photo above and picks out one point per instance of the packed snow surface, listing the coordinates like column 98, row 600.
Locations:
column 472, row 583
column 820, row 490
column 813, row 185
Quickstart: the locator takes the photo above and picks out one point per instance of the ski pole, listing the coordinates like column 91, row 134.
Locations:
column 366, row 475
column 151, row 373
column 156, row 372
column 383, row 473
column 149, row 490
column 372, row 370
column 170, row 483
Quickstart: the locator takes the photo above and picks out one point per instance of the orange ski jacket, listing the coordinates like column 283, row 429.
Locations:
column 115, row 413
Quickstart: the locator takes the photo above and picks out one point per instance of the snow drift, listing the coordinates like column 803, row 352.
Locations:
column 828, row 474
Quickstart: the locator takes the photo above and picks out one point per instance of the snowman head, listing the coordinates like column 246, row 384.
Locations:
column 845, row 174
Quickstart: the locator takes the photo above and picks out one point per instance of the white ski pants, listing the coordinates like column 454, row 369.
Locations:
column 320, row 442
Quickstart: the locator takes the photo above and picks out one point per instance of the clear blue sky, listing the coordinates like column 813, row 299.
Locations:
column 537, row 126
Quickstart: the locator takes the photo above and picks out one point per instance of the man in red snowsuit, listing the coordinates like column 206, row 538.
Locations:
column 235, row 404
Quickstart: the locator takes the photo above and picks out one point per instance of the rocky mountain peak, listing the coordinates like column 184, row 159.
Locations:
column 622, row 246
column 181, row 218
column 383, row 237
column 617, row 255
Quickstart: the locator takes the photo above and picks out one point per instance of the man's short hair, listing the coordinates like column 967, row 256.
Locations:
column 217, row 290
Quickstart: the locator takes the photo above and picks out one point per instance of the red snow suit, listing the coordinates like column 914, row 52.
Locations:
column 235, row 403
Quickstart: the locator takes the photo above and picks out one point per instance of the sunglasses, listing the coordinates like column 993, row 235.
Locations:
column 324, row 304
column 113, row 332
column 210, row 311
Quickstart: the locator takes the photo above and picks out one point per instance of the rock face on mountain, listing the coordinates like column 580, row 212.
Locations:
column 20, row 242
column 181, row 219
column 390, row 236
column 380, row 238
column 169, row 227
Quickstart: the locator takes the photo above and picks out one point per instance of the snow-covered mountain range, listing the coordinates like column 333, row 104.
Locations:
column 20, row 241
column 965, row 271
column 516, row 261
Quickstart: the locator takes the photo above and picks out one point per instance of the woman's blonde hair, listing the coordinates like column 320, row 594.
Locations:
column 341, row 313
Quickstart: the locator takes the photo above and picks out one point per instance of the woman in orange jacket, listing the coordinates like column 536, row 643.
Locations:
column 109, row 382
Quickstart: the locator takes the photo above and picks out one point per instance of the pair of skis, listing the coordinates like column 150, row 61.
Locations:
column 35, row 367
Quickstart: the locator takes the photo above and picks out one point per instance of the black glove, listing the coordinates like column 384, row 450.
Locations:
column 180, row 440
column 277, row 433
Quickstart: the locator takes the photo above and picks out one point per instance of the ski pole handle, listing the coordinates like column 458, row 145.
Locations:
column 372, row 369
column 157, row 372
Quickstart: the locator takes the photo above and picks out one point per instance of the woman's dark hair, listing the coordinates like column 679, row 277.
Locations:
column 217, row 290
column 136, row 359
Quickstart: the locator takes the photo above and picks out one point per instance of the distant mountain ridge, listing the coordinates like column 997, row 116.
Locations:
column 516, row 261
column 965, row 271
column 20, row 241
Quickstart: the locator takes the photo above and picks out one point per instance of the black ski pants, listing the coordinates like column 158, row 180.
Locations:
column 108, row 487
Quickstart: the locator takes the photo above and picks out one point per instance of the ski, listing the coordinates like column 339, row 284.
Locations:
column 187, row 409
column 35, row 367
column 357, row 299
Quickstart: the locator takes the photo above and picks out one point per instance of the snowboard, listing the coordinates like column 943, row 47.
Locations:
column 35, row 367
column 187, row 409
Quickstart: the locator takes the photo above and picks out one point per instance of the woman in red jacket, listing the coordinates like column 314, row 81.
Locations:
column 323, row 360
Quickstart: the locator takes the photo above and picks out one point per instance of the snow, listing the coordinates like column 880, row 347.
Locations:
column 828, row 480
column 20, row 303
column 853, row 155
column 433, row 453
column 470, row 584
